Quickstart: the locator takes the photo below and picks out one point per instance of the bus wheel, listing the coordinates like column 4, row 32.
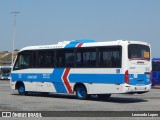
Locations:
column 104, row 96
column 21, row 89
column 81, row 92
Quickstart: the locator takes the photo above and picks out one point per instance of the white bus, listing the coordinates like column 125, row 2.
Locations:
column 5, row 72
column 84, row 68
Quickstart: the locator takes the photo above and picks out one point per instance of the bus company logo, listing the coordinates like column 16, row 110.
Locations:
column 46, row 75
column 131, row 76
column 6, row 114
column 118, row 71
column 32, row 77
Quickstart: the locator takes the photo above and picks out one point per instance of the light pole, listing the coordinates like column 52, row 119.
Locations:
column 14, row 33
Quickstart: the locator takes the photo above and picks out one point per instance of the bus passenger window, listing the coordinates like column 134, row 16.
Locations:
column 69, row 58
column 65, row 58
column 60, row 58
column 86, row 58
column 45, row 59
column 109, row 57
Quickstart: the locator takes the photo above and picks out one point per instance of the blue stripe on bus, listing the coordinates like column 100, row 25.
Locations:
column 74, row 43
column 97, row 78
column 27, row 77
column 56, row 77
column 84, row 78
column 73, row 78
column 70, row 45
column 109, row 78
column 142, row 79
column 53, row 77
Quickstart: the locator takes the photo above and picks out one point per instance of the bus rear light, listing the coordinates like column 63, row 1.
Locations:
column 126, row 78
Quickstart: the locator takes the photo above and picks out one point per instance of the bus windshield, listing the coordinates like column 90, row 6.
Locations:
column 5, row 71
column 138, row 52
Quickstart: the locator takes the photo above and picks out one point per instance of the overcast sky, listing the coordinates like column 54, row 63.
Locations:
column 50, row 21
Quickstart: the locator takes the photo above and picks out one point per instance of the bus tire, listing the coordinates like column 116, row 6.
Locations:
column 81, row 92
column 104, row 96
column 21, row 89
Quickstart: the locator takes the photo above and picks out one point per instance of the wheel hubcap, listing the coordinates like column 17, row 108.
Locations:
column 21, row 90
column 81, row 92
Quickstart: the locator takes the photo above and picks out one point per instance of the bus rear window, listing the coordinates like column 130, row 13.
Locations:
column 136, row 51
column 155, row 66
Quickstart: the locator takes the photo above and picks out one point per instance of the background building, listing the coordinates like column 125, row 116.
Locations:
column 6, row 57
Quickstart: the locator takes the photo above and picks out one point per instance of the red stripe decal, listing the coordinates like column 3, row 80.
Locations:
column 79, row 45
column 65, row 79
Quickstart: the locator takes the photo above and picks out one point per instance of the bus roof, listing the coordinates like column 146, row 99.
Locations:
column 81, row 43
column 156, row 59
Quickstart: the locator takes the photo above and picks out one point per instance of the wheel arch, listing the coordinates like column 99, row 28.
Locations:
column 79, row 84
column 18, row 83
